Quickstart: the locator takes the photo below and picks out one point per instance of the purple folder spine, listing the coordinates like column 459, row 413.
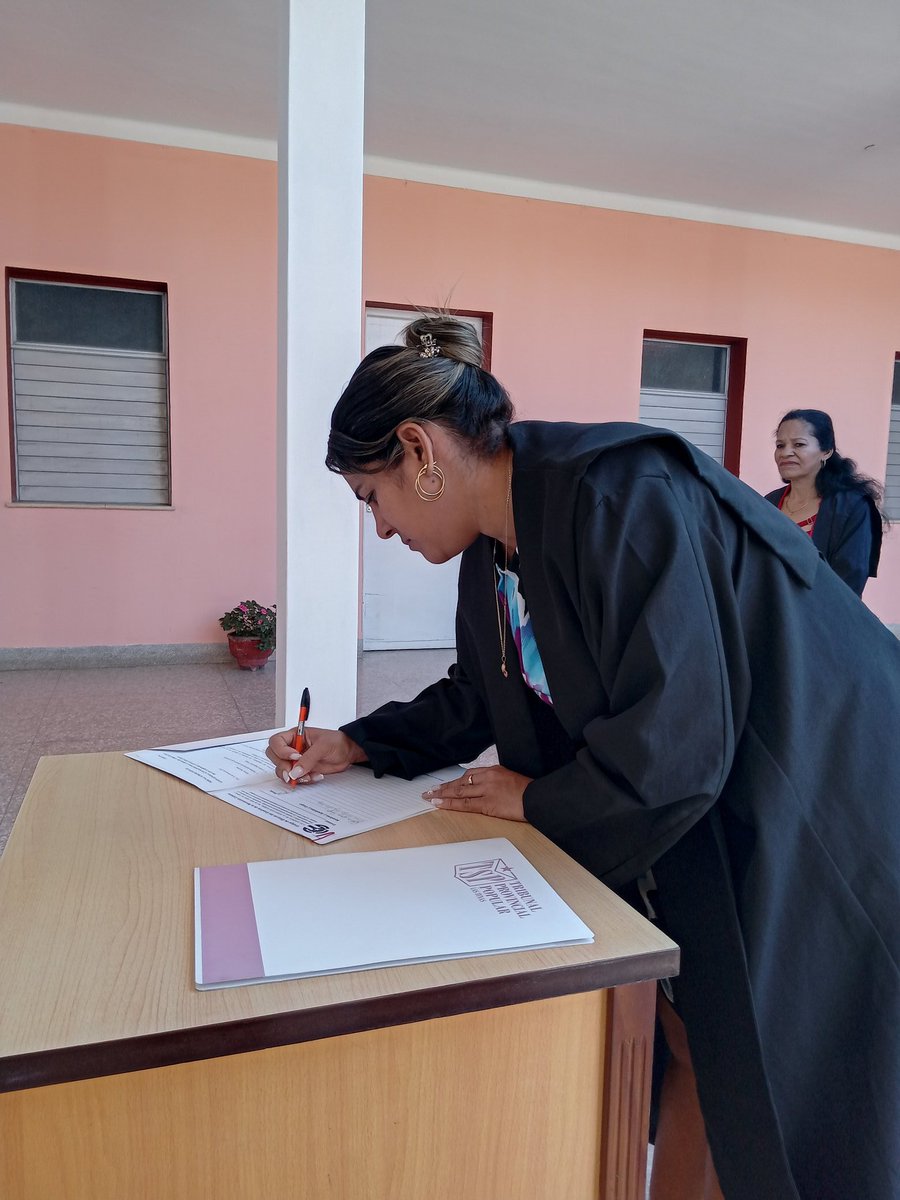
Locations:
column 229, row 938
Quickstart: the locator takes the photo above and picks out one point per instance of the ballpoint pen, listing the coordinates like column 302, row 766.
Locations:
column 300, row 735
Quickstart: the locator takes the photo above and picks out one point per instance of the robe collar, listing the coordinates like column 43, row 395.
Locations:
column 578, row 446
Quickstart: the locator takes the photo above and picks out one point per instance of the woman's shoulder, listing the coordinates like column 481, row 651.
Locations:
column 576, row 450
column 774, row 496
column 571, row 470
column 846, row 501
column 851, row 517
column 540, row 443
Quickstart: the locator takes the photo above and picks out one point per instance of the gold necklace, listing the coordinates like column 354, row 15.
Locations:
column 791, row 511
column 501, row 623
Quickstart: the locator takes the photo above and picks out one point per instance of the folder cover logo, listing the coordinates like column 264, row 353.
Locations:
column 492, row 881
column 490, row 870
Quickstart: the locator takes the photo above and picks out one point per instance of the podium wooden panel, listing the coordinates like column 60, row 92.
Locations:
column 524, row 1075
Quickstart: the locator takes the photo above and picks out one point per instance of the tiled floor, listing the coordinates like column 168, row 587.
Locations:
column 129, row 708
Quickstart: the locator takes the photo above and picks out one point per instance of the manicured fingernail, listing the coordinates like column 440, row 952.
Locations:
column 317, row 778
column 294, row 754
column 437, row 801
column 285, row 776
column 298, row 772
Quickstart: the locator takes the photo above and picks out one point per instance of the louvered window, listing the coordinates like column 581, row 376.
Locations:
column 892, row 472
column 684, row 387
column 90, row 393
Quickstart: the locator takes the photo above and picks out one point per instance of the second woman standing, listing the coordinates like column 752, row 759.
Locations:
column 826, row 496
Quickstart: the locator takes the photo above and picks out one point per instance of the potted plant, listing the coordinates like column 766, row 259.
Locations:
column 251, row 633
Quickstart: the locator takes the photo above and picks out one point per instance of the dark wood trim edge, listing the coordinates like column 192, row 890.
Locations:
column 631, row 1017
column 108, row 281
column 734, row 406
column 13, row 437
column 70, row 1063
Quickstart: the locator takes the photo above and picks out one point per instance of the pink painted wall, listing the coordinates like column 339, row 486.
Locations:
column 206, row 225
column 572, row 290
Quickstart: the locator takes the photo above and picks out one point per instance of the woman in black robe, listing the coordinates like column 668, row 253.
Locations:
column 827, row 497
column 711, row 713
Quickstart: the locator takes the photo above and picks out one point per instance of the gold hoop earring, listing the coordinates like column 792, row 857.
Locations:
column 430, row 497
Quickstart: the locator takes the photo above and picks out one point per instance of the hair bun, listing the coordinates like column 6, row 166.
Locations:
column 455, row 339
column 429, row 379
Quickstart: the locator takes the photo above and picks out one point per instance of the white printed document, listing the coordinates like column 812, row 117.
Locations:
column 263, row 921
column 237, row 771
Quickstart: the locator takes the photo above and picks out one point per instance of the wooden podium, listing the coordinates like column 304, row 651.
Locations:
column 521, row 1075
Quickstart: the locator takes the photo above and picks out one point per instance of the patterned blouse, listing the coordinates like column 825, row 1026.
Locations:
column 510, row 594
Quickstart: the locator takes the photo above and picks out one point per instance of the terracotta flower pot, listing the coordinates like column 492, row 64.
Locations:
column 247, row 652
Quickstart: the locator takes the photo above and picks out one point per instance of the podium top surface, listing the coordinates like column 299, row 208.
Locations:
column 96, row 935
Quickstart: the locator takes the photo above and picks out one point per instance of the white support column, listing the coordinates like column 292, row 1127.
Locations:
column 320, row 174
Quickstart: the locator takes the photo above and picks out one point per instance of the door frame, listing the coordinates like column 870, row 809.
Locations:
column 734, row 391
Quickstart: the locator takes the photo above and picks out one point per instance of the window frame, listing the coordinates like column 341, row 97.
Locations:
column 109, row 283
column 734, row 387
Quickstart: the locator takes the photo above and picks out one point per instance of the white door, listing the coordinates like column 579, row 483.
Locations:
column 408, row 603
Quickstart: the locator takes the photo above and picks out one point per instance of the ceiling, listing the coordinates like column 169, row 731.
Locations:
column 782, row 109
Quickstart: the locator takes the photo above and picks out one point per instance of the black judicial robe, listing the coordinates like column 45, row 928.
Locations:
column 727, row 713
column 847, row 533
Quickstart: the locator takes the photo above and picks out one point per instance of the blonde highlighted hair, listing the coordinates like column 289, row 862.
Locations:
column 441, row 381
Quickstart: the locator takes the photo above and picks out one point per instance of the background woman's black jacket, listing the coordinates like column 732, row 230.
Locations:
column 725, row 711
column 848, row 534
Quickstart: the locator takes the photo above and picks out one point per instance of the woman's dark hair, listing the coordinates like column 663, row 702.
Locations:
column 437, row 376
column 837, row 474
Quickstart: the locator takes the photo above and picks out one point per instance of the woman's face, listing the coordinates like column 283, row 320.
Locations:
column 438, row 530
column 798, row 454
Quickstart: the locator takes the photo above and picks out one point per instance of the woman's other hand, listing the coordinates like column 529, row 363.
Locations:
column 327, row 752
column 493, row 791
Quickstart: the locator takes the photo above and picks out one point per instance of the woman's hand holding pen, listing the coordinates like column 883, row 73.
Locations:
column 327, row 752
column 493, row 791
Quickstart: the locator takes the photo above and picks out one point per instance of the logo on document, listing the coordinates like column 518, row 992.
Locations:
column 316, row 830
column 490, row 870
column 492, row 881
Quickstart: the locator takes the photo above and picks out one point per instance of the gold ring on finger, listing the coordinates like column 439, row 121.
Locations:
column 471, row 780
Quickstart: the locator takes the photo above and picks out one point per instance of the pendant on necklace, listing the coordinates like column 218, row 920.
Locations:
column 504, row 670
